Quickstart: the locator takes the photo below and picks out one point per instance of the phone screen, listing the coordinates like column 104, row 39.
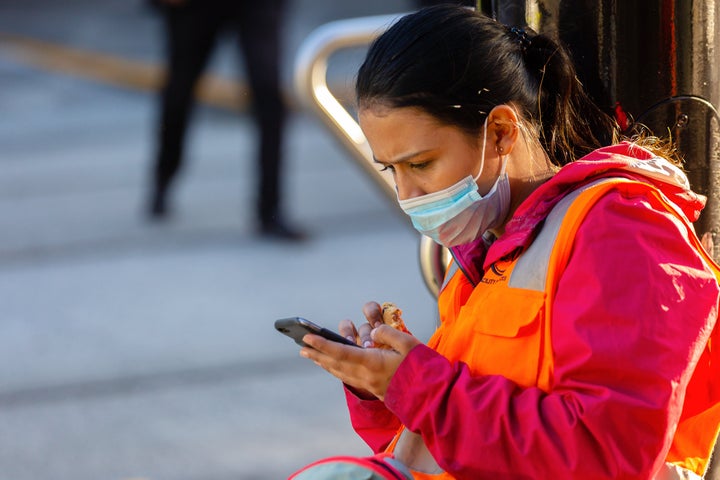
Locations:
column 297, row 327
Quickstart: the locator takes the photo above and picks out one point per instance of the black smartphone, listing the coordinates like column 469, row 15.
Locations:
column 297, row 327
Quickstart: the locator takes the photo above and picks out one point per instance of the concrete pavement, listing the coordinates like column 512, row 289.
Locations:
column 134, row 350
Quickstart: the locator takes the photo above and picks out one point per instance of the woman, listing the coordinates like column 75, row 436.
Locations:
column 579, row 302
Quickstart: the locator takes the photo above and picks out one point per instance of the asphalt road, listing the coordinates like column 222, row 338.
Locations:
column 131, row 350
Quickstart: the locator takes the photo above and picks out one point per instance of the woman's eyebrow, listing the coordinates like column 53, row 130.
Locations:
column 403, row 158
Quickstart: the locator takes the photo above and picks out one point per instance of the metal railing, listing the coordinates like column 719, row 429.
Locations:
column 312, row 89
column 311, row 84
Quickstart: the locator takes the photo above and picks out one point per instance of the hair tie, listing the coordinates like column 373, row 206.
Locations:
column 521, row 37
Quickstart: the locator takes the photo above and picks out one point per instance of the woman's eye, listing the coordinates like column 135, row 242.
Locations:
column 386, row 168
column 419, row 166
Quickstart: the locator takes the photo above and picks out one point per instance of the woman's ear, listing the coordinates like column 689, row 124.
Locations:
column 503, row 129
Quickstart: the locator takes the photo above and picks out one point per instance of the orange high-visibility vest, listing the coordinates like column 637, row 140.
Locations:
column 520, row 291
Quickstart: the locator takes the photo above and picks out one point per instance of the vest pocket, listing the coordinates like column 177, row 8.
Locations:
column 507, row 326
column 508, row 313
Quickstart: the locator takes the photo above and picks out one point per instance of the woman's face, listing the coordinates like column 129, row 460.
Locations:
column 423, row 155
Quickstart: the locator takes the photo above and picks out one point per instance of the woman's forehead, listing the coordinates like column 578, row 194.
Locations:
column 413, row 117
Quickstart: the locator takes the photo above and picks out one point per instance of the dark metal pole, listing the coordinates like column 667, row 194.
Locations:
column 658, row 61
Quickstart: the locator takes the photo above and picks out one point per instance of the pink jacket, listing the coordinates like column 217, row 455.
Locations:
column 633, row 303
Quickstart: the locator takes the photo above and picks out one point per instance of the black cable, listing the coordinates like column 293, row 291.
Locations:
column 672, row 99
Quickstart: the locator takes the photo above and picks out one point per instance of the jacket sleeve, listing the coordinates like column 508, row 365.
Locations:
column 632, row 313
column 372, row 421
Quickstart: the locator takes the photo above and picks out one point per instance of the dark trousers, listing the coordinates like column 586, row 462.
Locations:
column 192, row 31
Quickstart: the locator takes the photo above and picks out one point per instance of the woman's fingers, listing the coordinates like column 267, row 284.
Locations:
column 347, row 329
column 340, row 360
column 399, row 341
column 368, row 369
column 373, row 313
column 364, row 332
column 359, row 335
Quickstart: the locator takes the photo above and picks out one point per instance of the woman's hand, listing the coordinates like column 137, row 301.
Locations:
column 361, row 335
column 366, row 369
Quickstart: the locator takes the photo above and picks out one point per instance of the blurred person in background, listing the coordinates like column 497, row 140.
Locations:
column 192, row 28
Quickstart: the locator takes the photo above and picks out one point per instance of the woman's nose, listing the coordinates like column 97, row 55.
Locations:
column 406, row 188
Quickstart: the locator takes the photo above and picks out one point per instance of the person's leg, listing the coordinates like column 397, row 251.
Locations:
column 260, row 28
column 190, row 35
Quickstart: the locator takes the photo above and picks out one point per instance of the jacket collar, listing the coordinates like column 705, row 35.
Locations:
column 625, row 160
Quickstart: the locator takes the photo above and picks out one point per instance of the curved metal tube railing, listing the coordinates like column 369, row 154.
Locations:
column 312, row 89
column 311, row 86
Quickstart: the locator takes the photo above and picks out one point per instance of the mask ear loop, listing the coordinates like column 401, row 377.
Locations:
column 503, row 158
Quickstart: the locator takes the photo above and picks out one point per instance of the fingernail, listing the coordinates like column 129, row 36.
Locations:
column 351, row 338
column 367, row 344
column 304, row 354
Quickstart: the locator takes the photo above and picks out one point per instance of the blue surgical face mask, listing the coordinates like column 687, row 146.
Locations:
column 459, row 214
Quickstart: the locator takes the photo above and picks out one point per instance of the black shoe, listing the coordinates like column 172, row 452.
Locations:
column 280, row 230
column 157, row 208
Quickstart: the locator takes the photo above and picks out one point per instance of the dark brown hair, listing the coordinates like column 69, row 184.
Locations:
column 457, row 64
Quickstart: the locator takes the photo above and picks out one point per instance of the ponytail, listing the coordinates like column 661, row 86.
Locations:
column 571, row 125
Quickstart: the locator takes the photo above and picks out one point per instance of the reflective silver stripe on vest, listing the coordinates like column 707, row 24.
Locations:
column 532, row 267
column 670, row 471
column 451, row 271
